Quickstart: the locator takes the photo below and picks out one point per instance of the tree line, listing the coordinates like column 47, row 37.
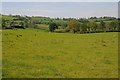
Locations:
column 80, row 25
column 88, row 26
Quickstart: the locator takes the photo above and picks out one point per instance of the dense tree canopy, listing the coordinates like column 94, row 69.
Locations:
column 74, row 25
column 52, row 27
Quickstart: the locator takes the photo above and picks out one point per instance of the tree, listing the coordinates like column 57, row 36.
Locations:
column 102, row 25
column 12, row 23
column 52, row 27
column 63, row 24
column 114, row 25
column 108, row 26
column 89, row 26
column 27, row 23
column 92, row 26
column 3, row 23
column 83, row 27
column 73, row 25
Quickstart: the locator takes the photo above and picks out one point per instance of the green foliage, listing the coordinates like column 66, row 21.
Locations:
column 114, row 25
column 83, row 27
column 102, row 25
column 52, row 27
column 92, row 26
column 3, row 23
column 80, row 25
column 74, row 25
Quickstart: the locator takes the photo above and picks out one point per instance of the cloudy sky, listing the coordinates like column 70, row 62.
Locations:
column 61, row 9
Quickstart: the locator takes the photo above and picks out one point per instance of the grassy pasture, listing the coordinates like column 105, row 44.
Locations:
column 42, row 27
column 32, row 53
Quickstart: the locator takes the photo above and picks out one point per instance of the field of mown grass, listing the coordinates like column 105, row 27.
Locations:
column 32, row 53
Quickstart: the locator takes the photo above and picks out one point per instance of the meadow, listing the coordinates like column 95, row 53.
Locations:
column 33, row 53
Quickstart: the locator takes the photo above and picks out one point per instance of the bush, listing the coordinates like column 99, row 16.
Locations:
column 52, row 27
column 67, row 29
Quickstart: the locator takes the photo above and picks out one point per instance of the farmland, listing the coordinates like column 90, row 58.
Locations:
column 35, row 53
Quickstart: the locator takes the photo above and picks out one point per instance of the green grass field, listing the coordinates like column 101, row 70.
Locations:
column 32, row 53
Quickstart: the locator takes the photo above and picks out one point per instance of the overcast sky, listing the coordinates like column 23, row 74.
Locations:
column 62, row 9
